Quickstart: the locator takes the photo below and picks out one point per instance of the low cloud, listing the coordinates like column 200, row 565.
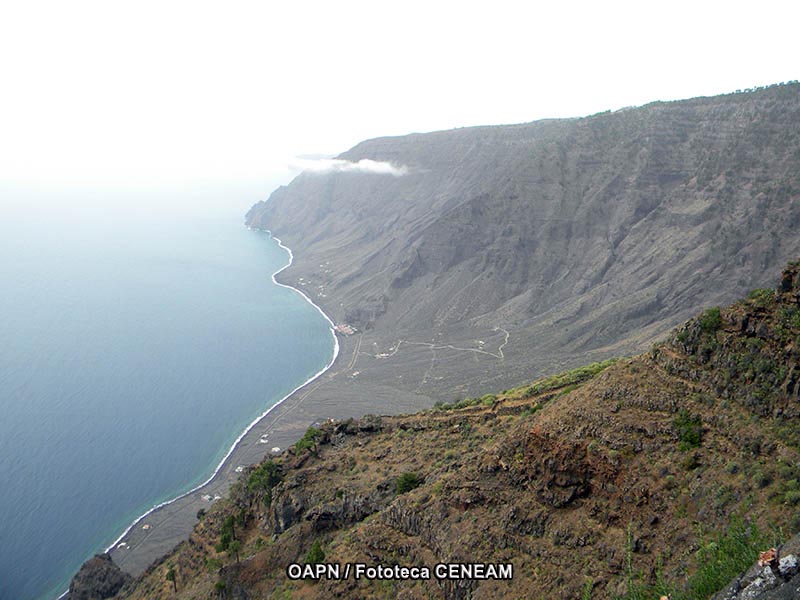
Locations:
column 338, row 165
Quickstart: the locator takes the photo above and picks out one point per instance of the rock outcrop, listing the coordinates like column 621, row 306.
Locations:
column 776, row 579
column 99, row 578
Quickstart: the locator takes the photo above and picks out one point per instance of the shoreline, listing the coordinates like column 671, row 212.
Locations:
column 255, row 422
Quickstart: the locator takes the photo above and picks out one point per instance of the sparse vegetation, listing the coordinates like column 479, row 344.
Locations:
column 227, row 534
column 170, row 576
column 233, row 549
column 564, row 382
column 725, row 556
column 530, row 410
column 571, row 377
column 718, row 560
column 638, row 589
column 762, row 297
column 213, row 565
column 466, row 402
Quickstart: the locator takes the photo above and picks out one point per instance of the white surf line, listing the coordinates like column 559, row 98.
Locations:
column 257, row 419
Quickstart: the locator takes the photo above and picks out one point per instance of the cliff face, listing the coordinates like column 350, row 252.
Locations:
column 576, row 236
column 630, row 479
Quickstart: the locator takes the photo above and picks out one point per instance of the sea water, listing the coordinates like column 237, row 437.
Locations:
column 140, row 333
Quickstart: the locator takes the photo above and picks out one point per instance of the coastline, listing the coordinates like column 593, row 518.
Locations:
column 253, row 424
column 259, row 418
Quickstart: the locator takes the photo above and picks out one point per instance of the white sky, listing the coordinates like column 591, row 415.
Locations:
column 106, row 91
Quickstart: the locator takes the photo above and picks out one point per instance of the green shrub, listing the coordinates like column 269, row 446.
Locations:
column 762, row 297
column 213, row 565
column 316, row 554
column 466, row 402
column 754, row 344
column 761, row 478
column 227, row 534
column 308, row 440
column 710, row 320
column 225, row 540
column 566, row 390
column 690, row 462
column 690, row 430
column 263, row 478
column 407, row 482
column 790, row 317
column 529, row 410
column 587, row 589
column 788, row 472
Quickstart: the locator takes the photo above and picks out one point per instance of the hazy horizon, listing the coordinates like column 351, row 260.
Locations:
column 158, row 94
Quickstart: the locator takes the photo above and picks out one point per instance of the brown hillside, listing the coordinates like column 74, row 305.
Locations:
column 589, row 483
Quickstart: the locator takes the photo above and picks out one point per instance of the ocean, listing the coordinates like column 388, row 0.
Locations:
column 140, row 333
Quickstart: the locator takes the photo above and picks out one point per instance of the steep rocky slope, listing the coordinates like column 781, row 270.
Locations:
column 773, row 577
column 629, row 478
column 550, row 239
